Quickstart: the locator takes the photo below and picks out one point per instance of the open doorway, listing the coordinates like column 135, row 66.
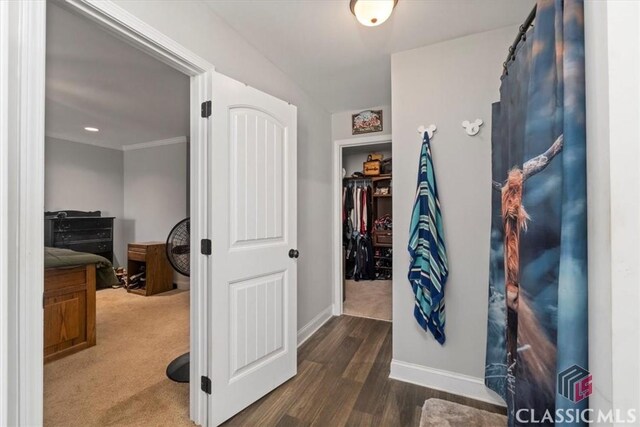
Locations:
column 366, row 215
column 116, row 182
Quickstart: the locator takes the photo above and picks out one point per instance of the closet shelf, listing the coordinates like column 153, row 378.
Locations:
column 355, row 178
column 382, row 195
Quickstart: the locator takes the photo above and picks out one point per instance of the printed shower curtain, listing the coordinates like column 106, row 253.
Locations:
column 537, row 330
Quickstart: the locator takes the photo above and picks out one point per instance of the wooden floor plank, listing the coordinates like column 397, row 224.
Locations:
column 360, row 419
column 363, row 360
column 271, row 408
column 337, row 409
column 343, row 380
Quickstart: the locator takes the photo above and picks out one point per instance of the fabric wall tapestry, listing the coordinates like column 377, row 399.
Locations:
column 537, row 329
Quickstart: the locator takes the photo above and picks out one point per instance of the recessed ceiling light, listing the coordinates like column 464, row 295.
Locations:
column 372, row 12
column 90, row 129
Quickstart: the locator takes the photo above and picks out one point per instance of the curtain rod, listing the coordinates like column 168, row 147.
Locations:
column 521, row 36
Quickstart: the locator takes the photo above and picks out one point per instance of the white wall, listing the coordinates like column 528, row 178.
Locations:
column 155, row 191
column 612, row 50
column 341, row 123
column 196, row 27
column 624, row 150
column 598, row 203
column 445, row 84
column 86, row 178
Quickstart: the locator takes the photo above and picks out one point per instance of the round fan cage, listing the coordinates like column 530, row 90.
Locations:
column 178, row 247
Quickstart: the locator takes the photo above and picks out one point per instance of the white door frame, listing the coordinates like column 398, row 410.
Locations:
column 22, row 76
column 336, row 217
column 4, row 211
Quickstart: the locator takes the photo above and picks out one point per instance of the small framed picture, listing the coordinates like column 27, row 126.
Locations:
column 366, row 121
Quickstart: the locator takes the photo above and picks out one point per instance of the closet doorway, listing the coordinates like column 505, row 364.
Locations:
column 363, row 217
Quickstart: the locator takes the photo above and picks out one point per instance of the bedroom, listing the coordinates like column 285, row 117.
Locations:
column 116, row 178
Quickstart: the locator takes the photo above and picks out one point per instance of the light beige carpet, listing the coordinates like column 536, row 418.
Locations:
column 442, row 413
column 121, row 381
column 368, row 298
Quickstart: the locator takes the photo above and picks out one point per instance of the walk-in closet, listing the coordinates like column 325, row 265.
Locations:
column 367, row 241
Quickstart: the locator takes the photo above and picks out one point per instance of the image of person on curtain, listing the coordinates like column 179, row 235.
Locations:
column 537, row 326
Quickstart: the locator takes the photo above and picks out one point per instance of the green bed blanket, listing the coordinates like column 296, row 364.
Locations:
column 58, row 257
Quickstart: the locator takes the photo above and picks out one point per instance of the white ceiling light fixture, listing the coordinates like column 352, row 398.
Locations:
column 91, row 129
column 372, row 12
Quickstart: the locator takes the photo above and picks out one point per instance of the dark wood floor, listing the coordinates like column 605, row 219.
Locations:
column 343, row 379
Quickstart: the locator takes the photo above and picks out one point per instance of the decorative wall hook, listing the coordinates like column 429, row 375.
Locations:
column 472, row 128
column 429, row 129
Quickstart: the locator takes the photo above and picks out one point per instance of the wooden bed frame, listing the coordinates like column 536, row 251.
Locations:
column 69, row 310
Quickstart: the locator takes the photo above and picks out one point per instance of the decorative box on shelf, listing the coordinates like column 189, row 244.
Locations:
column 371, row 168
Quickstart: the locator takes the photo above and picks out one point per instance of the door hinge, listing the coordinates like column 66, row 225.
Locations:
column 43, row 300
column 205, row 246
column 205, row 384
column 205, row 109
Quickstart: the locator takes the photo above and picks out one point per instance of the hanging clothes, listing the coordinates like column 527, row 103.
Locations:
column 347, row 222
column 428, row 270
column 357, row 217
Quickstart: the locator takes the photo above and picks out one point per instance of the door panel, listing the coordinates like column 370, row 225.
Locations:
column 257, row 319
column 253, row 226
column 258, row 144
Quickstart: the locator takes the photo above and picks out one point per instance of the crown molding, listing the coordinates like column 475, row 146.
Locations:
column 61, row 137
column 129, row 147
column 152, row 144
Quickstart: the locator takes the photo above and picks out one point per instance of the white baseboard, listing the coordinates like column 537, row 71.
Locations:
column 316, row 323
column 450, row 382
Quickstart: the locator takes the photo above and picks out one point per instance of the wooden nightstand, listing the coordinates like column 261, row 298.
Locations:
column 152, row 257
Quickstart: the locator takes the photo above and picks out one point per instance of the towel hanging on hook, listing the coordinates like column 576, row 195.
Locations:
column 431, row 129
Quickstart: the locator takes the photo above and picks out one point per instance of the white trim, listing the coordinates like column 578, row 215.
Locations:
column 336, row 218
column 26, row 132
column 59, row 137
column 450, row 382
column 316, row 323
column 128, row 147
column 4, row 212
column 621, row 105
column 152, row 144
column 25, row 196
column 200, row 264
column 141, row 35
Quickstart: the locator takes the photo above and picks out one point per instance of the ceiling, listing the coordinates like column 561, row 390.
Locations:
column 345, row 65
column 97, row 80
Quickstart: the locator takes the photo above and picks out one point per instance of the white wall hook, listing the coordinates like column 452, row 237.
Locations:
column 472, row 128
column 429, row 129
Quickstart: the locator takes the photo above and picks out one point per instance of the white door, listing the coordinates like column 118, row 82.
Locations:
column 253, row 229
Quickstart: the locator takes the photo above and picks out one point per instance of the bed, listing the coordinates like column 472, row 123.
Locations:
column 70, row 280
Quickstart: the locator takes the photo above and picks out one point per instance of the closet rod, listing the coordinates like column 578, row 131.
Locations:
column 521, row 33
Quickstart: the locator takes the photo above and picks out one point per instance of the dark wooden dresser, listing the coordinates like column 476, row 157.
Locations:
column 80, row 231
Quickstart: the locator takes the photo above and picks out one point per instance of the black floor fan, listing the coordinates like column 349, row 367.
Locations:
column 178, row 253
